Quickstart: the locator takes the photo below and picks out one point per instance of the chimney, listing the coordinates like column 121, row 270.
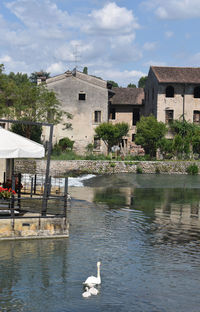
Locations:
column 40, row 78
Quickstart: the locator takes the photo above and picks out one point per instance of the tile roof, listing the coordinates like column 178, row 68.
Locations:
column 177, row 74
column 128, row 96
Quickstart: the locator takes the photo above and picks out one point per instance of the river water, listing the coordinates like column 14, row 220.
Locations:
column 145, row 229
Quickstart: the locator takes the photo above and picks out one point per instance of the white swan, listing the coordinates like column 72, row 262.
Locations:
column 93, row 291
column 93, row 280
column 86, row 293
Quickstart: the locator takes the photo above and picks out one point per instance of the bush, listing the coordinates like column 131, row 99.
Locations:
column 157, row 170
column 139, row 170
column 56, row 150
column 90, row 148
column 192, row 169
column 66, row 143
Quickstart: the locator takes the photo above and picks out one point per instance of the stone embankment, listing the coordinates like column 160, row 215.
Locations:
column 68, row 167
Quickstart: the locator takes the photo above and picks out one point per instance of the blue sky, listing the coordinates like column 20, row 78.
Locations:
column 117, row 40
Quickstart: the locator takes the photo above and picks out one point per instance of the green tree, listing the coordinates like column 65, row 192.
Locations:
column 149, row 134
column 6, row 92
column 112, row 134
column 131, row 85
column 186, row 138
column 142, row 81
column 113, row 83
column 18, row 78
column 22, row 100
column 166, row 147
column 85, row 70
column 35, row 131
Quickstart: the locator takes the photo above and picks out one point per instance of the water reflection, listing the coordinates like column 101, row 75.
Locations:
column 172, row 212
column 26, row 272
column 145, row 230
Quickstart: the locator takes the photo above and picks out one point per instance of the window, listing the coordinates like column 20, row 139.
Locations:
column 133, row 137
column 112, row 113
column 169, row 116
column 97, row 116
column 196, row 117
column 81, row 96
column 197, row 92
column 136, row 115
column 124, row 143
column 2, row 125
column 169, row 91
column 97, row 143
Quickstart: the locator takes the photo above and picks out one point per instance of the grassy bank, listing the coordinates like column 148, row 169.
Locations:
column 70, row 155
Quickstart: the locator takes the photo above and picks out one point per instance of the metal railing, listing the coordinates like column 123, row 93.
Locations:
column 29, row 197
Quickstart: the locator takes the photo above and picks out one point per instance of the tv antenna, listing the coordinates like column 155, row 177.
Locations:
column 76, row 55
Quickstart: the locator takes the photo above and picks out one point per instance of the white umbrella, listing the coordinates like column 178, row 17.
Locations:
column 13, row 145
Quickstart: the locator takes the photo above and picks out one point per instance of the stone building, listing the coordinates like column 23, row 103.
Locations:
column 127, row 105
column 173, row 93
column 86, row 98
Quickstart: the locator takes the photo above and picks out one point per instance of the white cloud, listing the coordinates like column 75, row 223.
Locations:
column 56, row 68
column 12, row 65
column 169, row 34
column 150, row 46
column 45, row 36
column 154, row 63
column 37, row 14
column 5, row 59
column 123, row 78
column 174, row 9
column 111, row 19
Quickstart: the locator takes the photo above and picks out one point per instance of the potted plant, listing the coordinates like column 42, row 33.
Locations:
column 6, row 193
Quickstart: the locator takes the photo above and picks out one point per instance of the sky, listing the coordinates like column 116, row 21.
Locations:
column 117, row 40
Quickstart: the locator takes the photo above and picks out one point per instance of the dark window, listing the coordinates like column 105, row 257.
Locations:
column 197, row 92
column 196, row 117
column 169, row 116
column 136, row 115
column 124, row 143
column 2, row 125
column 170, row 91
column 97, row 143
column 133, row 137
column 97, row 116
column 81, row 96
column 112, row 113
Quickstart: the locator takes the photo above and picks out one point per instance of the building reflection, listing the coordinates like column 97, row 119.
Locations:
column 175, row 212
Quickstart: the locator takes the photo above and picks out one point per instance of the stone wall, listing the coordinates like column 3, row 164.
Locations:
column 19, row 228
column 66, row 167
